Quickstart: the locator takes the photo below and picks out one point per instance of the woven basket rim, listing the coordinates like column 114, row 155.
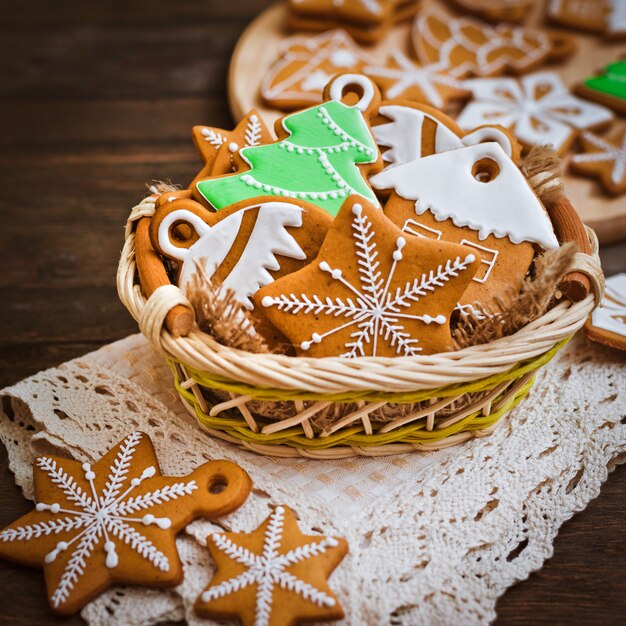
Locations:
column 330, row 375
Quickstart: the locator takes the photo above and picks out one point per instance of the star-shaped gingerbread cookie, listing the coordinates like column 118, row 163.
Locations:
column 273, row 576
column 115, row 521
column 603, row 158
column 373, row 290
column 217, row 146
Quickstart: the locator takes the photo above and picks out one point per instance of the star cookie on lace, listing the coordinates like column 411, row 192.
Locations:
column 372, row 291
column 404, row 79
column 603, row 159
column 469, row 47
column 115, row 521
column 305, row 66
column 273, row 576
column 217, row 146
column 538, row 109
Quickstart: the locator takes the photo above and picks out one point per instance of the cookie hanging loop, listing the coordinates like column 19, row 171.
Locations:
column 182, row 215
column 353, row 83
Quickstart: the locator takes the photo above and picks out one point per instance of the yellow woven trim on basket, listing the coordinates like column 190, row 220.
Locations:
column 354, row 436
column 265, row 393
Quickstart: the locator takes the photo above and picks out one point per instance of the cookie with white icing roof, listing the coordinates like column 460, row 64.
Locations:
column 115, row 521
column 598, row 16
column 469, row 47
column 373, row 290
column 306, row 65
column 273, row 576
column 607, row 324
column 242, row 247
column 474, row 195
column 538, row 108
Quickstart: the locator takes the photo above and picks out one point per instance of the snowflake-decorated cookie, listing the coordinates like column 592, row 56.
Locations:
column 604, row 159
column 217, row 147
column 402, row 78
column 273, row 576
column 306, row 65
column 115, row 521
column 489, row 207
column 373, row 290
column 607, row 324
column 607, row 88
column 242, row 247
column 469, row 47
column 538, row 108
column 322, row 156
column 406, row 131
column 599, row 16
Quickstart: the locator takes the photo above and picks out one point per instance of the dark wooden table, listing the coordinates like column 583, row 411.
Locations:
column 96, row 100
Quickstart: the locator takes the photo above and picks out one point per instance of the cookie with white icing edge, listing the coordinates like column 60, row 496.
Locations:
column 274, row 575
column 242, row 247
column 598, row 16
column 373, row 290
column 607, row 324
column 115, row 521
column 476, row 196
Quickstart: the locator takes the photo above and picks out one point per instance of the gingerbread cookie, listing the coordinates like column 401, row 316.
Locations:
column 599, row 16
column 402, row 78
column 609, row 88
column 489, row 208
column 322, row 156
column 407, row 131
column 496, row 10
column 306, row 65
column 373, row 290
column 275, row 575
column 469, row 47
column 538, row 108
column 607, row 324
column 242, row 247
column 217, row 146
column 365, row 20
column 604, row 159
column 115, row 521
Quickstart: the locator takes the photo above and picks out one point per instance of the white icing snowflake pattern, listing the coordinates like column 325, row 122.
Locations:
column 269, row 569
column 100, row 517
column 607, row 153
column 538, row 107
column 426, row 78
column 376, row 310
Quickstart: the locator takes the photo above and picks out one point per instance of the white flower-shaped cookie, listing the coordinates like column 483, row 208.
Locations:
column 538, row 108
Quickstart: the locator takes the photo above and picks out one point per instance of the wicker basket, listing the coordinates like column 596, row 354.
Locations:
column 277, row 405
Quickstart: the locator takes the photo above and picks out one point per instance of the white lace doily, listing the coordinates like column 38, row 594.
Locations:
column 434, row 538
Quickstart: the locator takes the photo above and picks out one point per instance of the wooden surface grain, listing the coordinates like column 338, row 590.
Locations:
column 96, row 100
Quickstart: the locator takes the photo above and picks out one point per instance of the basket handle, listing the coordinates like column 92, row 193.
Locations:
column 179, row 320
column 575, row 285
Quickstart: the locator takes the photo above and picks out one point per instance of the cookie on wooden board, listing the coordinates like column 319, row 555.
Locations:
column 274, row 575
column 607, row 324
column 305, row 66
column 373, row 290
column 115, row 522
column 537, row 107
column 607, row 88
column 323, row 153
column 469, row 47
column 242, row 247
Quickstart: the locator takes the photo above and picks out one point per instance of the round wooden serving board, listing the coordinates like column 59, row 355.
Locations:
column 258, row 47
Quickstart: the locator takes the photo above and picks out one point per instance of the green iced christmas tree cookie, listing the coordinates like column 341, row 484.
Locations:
column 316, row 160
column 608, row 88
